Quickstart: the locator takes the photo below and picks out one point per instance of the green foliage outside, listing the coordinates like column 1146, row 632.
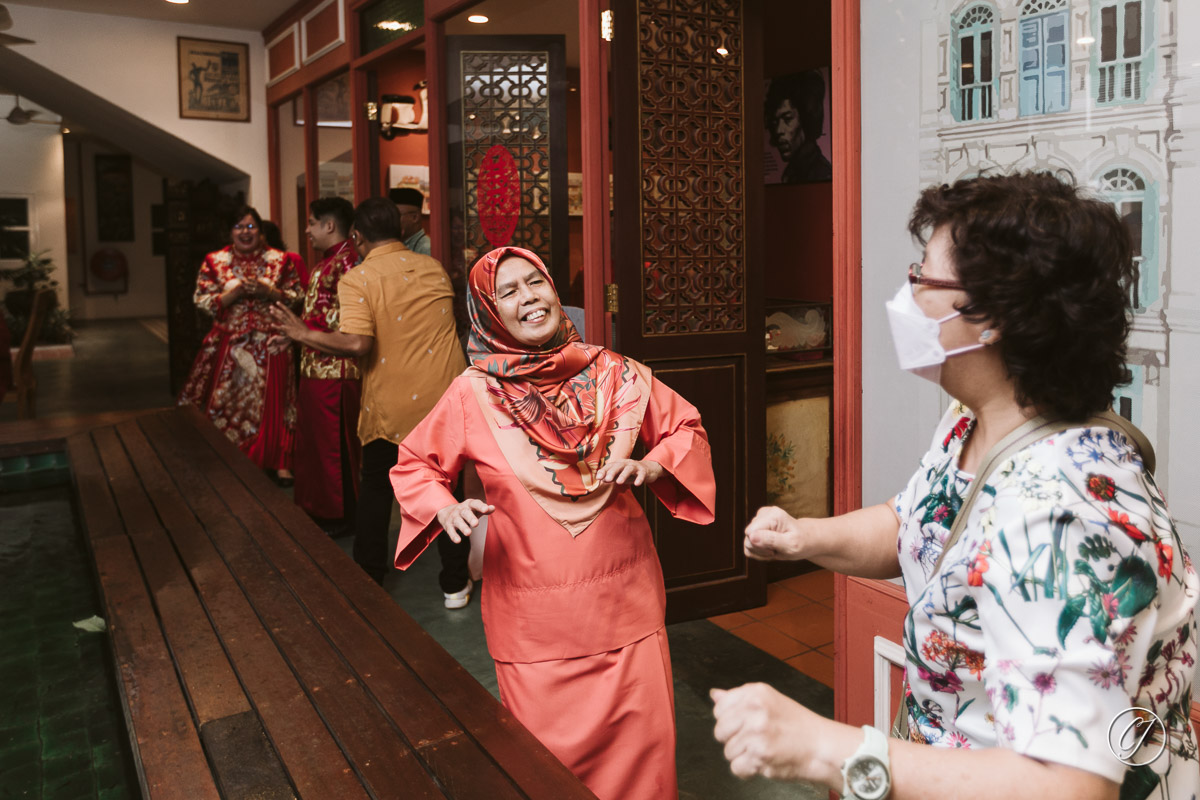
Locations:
column 33, row 274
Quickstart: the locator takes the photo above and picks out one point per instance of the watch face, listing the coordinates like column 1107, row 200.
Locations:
column 868, row 778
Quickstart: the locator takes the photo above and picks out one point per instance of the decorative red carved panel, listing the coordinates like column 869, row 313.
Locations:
column 499, row 195
column 506, row 109
column 693, row 166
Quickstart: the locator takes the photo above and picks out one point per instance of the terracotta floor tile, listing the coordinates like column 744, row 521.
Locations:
column 813, row 585
column 769, row 640
column 779, row 599
column 811, row 624
column 730, row 621
column 814, row 664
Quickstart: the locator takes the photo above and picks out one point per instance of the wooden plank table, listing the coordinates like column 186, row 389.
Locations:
column 256, row 660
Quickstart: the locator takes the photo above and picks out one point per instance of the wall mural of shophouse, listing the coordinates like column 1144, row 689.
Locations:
column 1090, row 89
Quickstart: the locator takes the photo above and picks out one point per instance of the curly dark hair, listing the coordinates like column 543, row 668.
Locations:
column 1048, row 267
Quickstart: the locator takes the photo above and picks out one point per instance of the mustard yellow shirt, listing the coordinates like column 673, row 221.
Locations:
column 405, row 301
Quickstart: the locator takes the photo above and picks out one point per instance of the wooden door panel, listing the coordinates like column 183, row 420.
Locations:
column 687, row 260
column 691, row 553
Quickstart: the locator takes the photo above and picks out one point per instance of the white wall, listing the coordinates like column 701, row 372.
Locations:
column 32, row 158
column 1183, row 303
column 899, row 410
column 132, row 63
column 147, row 295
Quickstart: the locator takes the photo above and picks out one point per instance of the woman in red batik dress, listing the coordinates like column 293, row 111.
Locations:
column 248, row 393
column 574, row 606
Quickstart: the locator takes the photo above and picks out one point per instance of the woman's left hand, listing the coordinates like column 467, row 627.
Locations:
column 278, row 343
column 766, row 733
column 628, row 470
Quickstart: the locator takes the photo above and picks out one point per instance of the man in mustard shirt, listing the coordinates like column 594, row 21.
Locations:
column 397, row 318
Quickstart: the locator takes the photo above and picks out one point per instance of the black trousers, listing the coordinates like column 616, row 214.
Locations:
column 374, row 515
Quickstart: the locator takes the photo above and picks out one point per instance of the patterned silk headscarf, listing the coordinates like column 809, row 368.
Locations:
column 561, row 410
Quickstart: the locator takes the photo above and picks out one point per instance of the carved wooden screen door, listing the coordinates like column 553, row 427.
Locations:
column 686, row 86
column 507, row 147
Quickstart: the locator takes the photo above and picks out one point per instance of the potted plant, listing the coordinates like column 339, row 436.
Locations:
column 30, row 276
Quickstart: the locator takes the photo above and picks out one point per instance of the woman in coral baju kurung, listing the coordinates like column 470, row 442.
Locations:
column 574, row 607
column 248, row 392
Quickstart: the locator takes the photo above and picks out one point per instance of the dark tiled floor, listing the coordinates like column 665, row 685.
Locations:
column 118, row 365
column 121, row 365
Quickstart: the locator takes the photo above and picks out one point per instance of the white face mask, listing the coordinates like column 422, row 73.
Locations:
column 916, row 336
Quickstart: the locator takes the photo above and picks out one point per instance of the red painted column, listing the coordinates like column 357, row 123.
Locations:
column 593, row 80
column 273, row 161
column 847, row 308
column 439, row 153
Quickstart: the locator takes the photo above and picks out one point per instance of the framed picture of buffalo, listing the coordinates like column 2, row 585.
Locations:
column 214, row 80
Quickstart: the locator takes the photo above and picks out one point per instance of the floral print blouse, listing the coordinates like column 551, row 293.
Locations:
column 1067, row 600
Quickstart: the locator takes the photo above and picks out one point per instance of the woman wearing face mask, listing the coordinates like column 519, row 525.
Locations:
column 248, row 392
column 574, row 601
column 1063, row 597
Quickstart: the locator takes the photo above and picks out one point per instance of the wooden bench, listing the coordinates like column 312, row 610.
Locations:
column 255, row 659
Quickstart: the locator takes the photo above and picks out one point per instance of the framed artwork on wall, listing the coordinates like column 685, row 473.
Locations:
column 798, row 452
column 333, row 104
column 114, row 197
column 214, row 80
column 410, row 176
column 798, row 147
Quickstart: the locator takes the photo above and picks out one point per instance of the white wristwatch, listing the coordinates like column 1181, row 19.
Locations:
column 865, row 775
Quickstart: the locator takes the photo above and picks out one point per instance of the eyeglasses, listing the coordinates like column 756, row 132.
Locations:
column 247, row 227
column 914, row 277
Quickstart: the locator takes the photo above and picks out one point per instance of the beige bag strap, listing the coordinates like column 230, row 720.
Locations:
column 1029, row 432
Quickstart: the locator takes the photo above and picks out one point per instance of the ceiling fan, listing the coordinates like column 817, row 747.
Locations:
column 6, row 23
column 21, row 116
column 24, row 116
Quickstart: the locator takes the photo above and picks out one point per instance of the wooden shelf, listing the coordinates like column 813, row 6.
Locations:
column 776, row 364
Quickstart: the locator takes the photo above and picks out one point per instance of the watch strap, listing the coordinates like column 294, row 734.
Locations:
column 874, row 745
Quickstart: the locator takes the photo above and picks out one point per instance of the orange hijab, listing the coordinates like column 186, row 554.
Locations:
column 559, row 411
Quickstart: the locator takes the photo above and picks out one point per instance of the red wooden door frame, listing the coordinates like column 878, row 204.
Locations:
column 847, row 306
column 597, row 165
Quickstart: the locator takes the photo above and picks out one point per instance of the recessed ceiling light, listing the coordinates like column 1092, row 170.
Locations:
column 478, row 19
column 178, row 2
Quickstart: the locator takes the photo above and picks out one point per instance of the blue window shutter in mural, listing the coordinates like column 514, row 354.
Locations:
column 1045, row 65
column 1058, row 79
column 1031, row 67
